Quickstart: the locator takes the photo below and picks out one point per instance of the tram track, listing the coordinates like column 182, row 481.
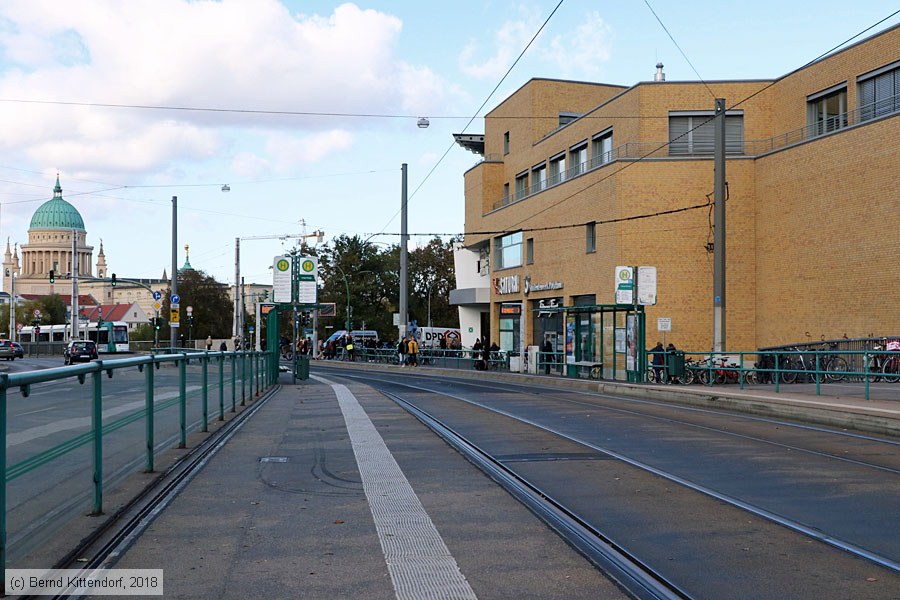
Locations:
column 102, row 548
column 489, row 464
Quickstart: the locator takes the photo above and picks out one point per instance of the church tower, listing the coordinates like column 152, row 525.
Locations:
column 101, row 262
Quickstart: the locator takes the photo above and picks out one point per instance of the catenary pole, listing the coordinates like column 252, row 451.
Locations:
column 404, row 258
column 719, row 192
column 173, row 331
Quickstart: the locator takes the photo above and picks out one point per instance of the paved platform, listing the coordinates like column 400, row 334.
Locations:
column 332, row 491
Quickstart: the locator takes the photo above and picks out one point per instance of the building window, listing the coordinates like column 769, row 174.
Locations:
column 529, row 251
column 694, row 133
column 578, row 157
column 506, row 143
column 508, row 251
column 539, row 177
column 879, row 93
column 521, row 185
column 505, row 193
column 601, row 148
column 827, row 111
column 557, row 169
column 590, row 238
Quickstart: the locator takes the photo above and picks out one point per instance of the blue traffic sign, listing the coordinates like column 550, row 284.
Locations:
column 157, row 295
column 175, row 299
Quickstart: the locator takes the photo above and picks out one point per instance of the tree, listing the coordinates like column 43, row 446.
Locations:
column 431, row 276
column 372, row 276
column 211, row 304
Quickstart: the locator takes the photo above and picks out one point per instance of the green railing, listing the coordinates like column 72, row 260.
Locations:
column 248, row 373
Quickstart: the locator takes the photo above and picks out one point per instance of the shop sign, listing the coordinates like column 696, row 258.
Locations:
column 506, row 285
column 540, row 287
column 546, row 307
column 510, row 309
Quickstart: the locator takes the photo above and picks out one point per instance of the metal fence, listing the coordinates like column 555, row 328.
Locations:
column 70, row 434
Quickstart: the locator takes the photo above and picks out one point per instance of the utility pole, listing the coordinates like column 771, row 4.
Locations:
column 719, row 231
column 236, row 329
column 174, row 277
column 74, row 284
column 404, row 258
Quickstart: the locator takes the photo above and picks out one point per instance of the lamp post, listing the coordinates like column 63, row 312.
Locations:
column 347, row 286
column 12, row 308
column 431, row 285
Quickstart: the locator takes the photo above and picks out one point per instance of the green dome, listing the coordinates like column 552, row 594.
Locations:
column 57, row 213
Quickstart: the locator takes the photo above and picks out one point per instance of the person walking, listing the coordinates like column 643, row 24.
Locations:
column 402, row 350
column 208, row 343
column 413, row 352
column 659, row 361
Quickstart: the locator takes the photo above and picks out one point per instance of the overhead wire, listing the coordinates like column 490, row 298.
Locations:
column 514, row 227
column 483, row 104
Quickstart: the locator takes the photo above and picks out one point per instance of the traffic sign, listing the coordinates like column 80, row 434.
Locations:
column 37, row 313
column 157, row 305
column 175, row 299
column 190, row 310
column 19, row 326
column 174, row 315
column 157, row 296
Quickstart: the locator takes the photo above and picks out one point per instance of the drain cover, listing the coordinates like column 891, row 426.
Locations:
column 273, row 459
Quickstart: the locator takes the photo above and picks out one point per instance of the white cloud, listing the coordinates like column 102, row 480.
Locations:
column 578, row 54
column 292, row 151
column 180, row 53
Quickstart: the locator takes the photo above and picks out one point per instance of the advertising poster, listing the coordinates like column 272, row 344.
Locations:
column 570, row 339
column 631, row 340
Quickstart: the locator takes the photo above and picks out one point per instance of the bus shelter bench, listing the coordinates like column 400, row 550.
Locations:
column 592, row 368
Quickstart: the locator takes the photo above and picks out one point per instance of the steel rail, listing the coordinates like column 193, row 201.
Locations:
column 785, row 522
column 627, row 570
column 106, row 544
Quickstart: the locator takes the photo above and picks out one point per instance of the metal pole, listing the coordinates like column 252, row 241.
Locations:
column 150, row 416
column 404, row 258
column 719, row 231
column 182, row 401
column 74, row 284
column 204, row 362
column 243, row 316
column 237, row 278
column 174, row 276
column 97, row 435
column 12, row 307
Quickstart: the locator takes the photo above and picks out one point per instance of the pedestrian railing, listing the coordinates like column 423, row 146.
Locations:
column 71, row 433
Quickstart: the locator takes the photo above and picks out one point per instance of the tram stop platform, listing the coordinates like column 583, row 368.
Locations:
column 333, row 491
column 286, row 509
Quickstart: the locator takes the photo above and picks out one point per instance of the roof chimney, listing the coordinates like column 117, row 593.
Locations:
column 660, row 76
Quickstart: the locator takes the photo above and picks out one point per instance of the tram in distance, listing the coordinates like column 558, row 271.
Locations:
column 110, row 336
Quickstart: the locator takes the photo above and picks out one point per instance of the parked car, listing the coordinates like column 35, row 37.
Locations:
column 19, row 350
column 6, row 350
column 80, row 351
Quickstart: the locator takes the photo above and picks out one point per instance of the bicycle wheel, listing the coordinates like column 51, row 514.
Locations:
column 751, row 377
column 596, row 372
column 791, row 366
column 837, row 368
column 702, row 376
column 651, row 375
column 873, row 370
column 891, row 370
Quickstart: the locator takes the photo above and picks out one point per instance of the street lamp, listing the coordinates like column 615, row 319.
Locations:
column 431, row 285
column 347, row 287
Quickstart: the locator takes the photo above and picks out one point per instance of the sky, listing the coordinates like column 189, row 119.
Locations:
column 306, row 110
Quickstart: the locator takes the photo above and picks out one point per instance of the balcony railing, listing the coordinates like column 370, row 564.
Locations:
column 749, row 148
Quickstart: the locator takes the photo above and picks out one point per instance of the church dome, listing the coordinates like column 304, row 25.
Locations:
column 56, row 213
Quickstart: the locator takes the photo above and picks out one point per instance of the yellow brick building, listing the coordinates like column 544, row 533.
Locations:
column 577, row 178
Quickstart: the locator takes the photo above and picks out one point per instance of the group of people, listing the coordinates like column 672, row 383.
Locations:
column 408, row 351
column 659, row 362
column 481, row 353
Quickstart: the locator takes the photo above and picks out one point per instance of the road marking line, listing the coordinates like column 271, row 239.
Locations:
column 417, row 558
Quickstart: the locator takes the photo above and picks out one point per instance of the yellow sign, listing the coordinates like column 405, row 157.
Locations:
column 174, row 315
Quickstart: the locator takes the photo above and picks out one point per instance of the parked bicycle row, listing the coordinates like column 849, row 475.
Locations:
column 795, row 365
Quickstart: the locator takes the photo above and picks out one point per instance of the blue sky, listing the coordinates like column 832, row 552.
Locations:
column 311, row 107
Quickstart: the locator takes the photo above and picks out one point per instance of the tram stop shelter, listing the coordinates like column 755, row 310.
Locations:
column 603, row 340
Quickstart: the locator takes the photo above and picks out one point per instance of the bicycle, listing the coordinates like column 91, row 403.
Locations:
column 891, row 366
column 874, row 364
